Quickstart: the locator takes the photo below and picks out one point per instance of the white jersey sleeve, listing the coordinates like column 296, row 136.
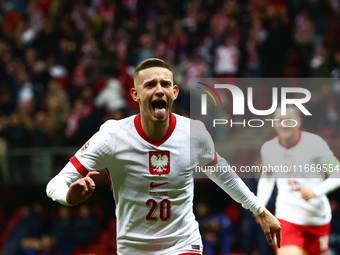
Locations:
column 89, row 157
column 236, row 188
column 58, row 187
column 229, row 182
column 93, row 155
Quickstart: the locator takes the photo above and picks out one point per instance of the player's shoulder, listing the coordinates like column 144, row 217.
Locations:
column 114, row 126
column 180, row 119
column 311, row 136
column 196, row 128
column 192, row 124
column 319, row 144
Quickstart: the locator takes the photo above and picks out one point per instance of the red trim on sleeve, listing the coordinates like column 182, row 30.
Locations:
column 168, row 133
column 81, row 169
column 214, row 162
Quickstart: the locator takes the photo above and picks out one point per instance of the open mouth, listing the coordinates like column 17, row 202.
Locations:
column 159, row 107
column 158, row 104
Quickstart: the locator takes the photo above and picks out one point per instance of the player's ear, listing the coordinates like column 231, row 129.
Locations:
column 176, row 91
column 134, row 94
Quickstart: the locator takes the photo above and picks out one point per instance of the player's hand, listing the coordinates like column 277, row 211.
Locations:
column 270, row 226
column 81, row 189
column 307, row 193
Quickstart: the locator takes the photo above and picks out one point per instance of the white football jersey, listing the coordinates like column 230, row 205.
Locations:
column 152, row 182
column 310, row 151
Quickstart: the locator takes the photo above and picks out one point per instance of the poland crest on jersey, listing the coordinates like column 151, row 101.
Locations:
column 159, row 162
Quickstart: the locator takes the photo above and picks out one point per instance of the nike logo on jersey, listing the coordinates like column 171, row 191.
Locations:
column 154, row 185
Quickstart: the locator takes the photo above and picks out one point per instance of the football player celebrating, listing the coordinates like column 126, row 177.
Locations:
column 150, row 159
column 302, row 206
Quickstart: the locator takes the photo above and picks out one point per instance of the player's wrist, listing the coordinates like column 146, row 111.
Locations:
column 264, row 213
column 260, row 210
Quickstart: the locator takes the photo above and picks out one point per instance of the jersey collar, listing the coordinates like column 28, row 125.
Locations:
column 294, row 144
column 168, row 133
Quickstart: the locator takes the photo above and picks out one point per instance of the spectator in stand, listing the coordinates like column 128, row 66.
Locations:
column 38, row 246
column 79, row 80
column 202, row 216
column 111, row 97
column 192, row 69
column 37, row 70
column 16, row 135
column 146, row 42
column 122, row 38
column 336, row 70
column 58, row 109
column 178, row 42
column 220, row 234
column 215, row 230
column 46, row 41
column 253, row 62
column 65, row 56
column 86, row 226
column 320, row 64
column 274, row 48
column 79, row 122
column 334, row 238
column 304, row 34
column 227, row 59
column 62, row 231
column 218, row 24
column 7, row 101
column 35, row 22
column 26, row 91
column 233, row 31
column 32, row 224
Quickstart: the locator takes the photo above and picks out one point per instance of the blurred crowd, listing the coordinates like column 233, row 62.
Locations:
column 66, row 66
column 34, row 230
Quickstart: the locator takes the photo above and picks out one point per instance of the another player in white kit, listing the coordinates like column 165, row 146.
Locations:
column 150, row 160
column 302, row 206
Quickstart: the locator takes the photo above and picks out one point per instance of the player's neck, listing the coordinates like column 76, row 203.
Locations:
column 291, row 141
column 155, row 130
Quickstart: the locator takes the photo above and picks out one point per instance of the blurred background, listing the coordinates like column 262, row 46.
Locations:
column 66, row 67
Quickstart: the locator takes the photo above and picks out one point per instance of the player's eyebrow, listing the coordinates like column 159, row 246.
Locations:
column 156, row 80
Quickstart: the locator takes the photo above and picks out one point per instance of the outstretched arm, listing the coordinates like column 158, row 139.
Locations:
column 230, row 182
